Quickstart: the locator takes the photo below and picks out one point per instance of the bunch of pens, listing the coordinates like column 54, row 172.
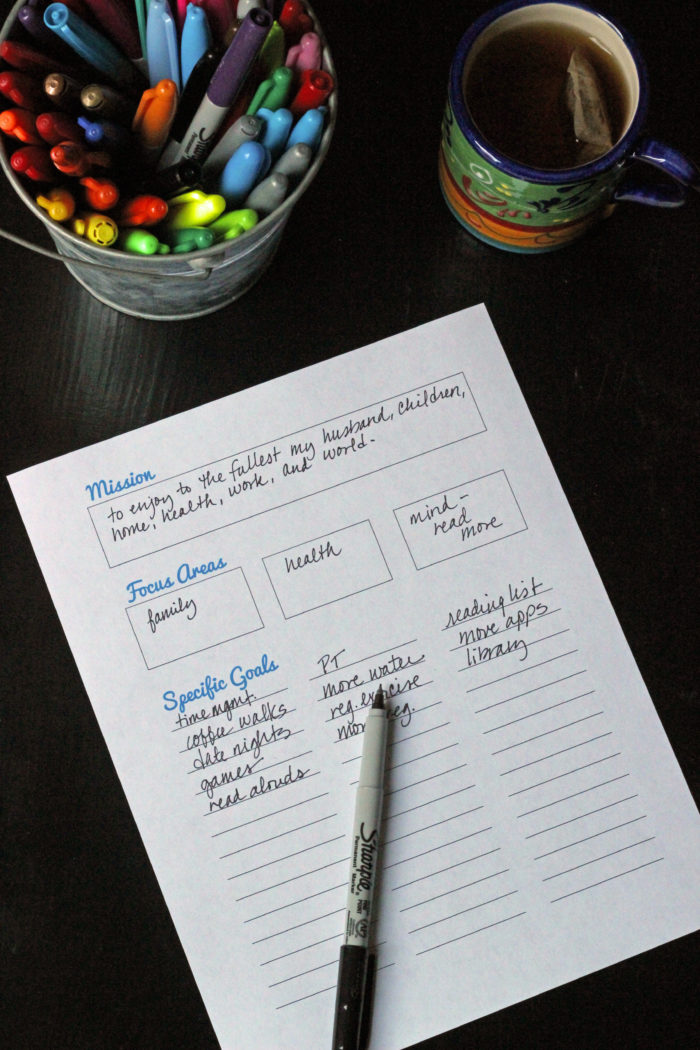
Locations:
column 159, row 128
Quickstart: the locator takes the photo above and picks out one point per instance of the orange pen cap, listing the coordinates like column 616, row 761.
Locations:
column 155, row 114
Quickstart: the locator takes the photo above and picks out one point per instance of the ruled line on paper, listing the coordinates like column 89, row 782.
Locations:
column 610, row 878
column 528, row 692
column 580, row 816
column 471, row 933
column 539, row 711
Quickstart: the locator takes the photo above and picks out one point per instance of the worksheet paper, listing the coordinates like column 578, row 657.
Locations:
column 235, row 581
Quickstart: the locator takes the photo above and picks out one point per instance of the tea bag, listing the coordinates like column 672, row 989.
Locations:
column 586, row 104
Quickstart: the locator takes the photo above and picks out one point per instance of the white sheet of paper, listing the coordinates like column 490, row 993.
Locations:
column 233, row 583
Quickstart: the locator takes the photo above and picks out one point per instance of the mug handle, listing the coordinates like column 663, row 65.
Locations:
column 684, row 174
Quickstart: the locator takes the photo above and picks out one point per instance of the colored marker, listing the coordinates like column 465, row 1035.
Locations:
column 272, row 52
column 194, row 208
column 22, row 90
column 20, row 124
column 104, row 102
column 63, row 91
column 268, row 194
column 161, row 44
column 194, row 91
column 95, row 227
column 141, row 18
column 58, row 127
column 245, row 129
column 352, row 990
column 306, row 54
column 100, row 194
column 247, row 166
column 189, row 239
column 141, row 242
column 315, row 86
column 180, row 13
column 276, row 129
column 105, row 133
column 71, row 159
column 295, row 20
column 220, row 16
column 195, row 40
column 58, row 203
column 31, row 16
column 225, row 85
column 233, row 223
column 273, row 92
column 294, row 162
column 92, row 46
column 154, row 117
column 180, row 177
column 143, row 210
column 308, row 129
column 29, row 60
column 117, row 22
column 34, row 162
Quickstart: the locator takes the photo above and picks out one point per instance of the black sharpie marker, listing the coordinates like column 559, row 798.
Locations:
column 353, row 993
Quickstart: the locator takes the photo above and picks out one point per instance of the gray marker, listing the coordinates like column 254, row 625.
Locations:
column 294, row 162
column 245, row 129
column 268, row 194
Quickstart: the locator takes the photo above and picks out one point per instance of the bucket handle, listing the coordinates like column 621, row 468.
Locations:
column 200, row 273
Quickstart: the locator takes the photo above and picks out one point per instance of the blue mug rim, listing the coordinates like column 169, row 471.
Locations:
column 547, row 176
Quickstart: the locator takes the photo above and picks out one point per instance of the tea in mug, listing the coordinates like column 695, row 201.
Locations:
column 547, row 96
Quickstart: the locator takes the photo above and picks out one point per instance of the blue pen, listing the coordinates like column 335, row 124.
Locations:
column 161, row 44
column 276, row 129
column 92, row 46
column 308, row 128
column 196, row 40
column 105, row 133
column 247, row 166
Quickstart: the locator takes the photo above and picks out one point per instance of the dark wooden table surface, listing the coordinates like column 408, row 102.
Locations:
column 603, row 339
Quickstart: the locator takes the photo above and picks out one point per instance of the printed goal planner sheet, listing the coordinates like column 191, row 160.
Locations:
column 235, row 581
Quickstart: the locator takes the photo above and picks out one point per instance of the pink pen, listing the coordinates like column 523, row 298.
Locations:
column 181, row 14
column 306, row 54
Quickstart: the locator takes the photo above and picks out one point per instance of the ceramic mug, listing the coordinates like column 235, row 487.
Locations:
column 529, row 209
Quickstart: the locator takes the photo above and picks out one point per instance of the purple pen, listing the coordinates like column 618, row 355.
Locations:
column 225, row 84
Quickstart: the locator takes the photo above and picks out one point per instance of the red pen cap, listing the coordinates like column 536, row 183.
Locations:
column 58, row 127
column 315, row 85
column 71, row 159
column 29, row 60
column 295, row 21
column 23, row 90
column 101, row 194
column 19, row 123
column 34, row 162
column 144, row 210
